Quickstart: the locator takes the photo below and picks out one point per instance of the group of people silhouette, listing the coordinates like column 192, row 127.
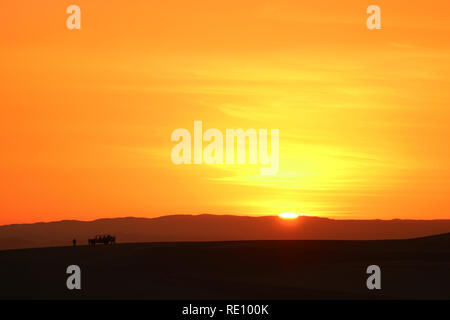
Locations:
column 105, row 239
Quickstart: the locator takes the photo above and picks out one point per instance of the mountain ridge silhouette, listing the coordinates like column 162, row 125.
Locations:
column 209, row 227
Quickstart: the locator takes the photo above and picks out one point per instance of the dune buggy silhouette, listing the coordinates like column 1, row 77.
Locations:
column 105, row 239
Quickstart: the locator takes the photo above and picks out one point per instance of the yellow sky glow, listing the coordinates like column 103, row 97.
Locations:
column 87, row 115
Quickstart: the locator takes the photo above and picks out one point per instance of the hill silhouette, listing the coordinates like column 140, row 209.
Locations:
column 214, row 228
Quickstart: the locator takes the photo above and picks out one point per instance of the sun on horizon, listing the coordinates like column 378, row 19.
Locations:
column 288, row 215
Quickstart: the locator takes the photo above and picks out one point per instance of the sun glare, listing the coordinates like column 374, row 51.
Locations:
column 288, row 215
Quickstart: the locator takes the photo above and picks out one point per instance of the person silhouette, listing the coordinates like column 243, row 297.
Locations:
column 74, row 242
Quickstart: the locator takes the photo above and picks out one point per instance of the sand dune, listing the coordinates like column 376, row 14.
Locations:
column 305, row 269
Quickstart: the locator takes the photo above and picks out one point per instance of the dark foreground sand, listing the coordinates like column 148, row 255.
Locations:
column 417, row 268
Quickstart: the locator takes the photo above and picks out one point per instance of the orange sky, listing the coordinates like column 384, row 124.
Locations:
column 86, row 115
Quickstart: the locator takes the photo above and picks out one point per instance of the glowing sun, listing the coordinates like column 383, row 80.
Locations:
column 288, row 215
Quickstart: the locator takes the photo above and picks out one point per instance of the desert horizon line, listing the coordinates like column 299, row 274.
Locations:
column 217, row 215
